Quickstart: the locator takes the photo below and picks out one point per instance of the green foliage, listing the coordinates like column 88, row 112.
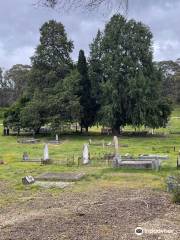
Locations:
column 17, row 76
column 12, row 83
column 12, row 115
column 131, row 81
column 34, row 114
column 53, row 52
column 64, row 100
column 2, row 112
column 1, row 78
column 95, row 70
column 171, row 79
column 50, row 65
column 120, row 85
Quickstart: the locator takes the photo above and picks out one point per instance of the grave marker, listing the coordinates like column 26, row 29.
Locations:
column 85, row 154
column 28, row 180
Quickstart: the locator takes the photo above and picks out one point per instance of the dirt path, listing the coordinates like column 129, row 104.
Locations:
column 107, row 214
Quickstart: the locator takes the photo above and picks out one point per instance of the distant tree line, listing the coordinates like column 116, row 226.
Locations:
column 117, row 85
column 12, row 84
column 171, row 79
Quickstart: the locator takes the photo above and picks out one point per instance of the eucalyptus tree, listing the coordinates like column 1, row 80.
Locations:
column 17, row 77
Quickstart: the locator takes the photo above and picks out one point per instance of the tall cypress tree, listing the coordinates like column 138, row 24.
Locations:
column 87, row 102
column 95, row 69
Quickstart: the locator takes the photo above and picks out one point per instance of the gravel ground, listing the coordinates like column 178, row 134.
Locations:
column 101, row 214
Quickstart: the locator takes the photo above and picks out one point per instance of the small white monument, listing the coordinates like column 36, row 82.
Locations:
column 117, row 158
column 46, row 153
column 116, row 145
column 85, row 154
column 57, row 138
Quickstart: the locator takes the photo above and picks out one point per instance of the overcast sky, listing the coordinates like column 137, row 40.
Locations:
column 20, row 22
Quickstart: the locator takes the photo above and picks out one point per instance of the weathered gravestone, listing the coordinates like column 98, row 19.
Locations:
column 117, row 158
column 46, row 159
column 56, row 141
column 46, row 153
column 57, row 138
column 156, row 164
column 172, row 184
column 25, row 156
column 85, row 154
column 28, row 180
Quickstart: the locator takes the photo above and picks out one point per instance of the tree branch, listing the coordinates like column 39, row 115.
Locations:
column 89, row 5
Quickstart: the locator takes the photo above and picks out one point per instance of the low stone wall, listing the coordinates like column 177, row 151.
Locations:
column 153, row 164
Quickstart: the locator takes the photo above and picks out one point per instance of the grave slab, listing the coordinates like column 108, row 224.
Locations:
column 50, row 184
column 153, row 156
column 28, row 140
column 55, row 177
column 135, row 164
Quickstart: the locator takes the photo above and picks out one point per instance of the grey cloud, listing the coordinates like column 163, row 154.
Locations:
column 20, row 22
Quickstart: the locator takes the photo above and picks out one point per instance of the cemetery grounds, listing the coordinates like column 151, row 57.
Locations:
column 106, row 204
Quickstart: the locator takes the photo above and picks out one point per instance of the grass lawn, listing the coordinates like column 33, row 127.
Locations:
column 13, row 170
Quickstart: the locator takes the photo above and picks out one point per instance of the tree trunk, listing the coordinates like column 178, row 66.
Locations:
column 116, row 130
column 18, row 131
column 36, row 131
column 86, row 129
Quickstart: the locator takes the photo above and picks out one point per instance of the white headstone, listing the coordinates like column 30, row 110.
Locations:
column 57, row 137
column 116, row 145
column 117, row 158
column 46, row 152
column 85, row 154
